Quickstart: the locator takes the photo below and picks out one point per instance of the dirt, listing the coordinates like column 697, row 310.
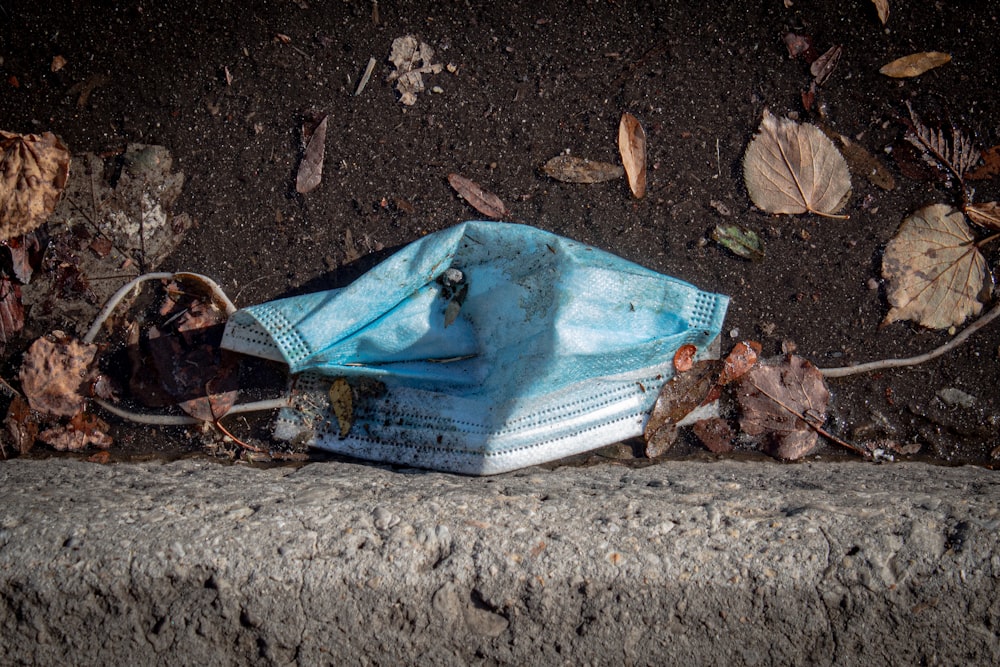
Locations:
column 225, row 87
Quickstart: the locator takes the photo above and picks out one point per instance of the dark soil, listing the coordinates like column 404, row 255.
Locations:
column 533, row 80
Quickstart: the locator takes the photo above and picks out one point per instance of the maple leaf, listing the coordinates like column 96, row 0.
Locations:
column 786, row 403
column 794, row 168
column 934, row 269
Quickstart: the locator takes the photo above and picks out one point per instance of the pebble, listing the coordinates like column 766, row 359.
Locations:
column 956, row 397
column 383, row 518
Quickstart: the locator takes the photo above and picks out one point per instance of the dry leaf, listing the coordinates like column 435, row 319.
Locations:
column 943, row 150
column 823, row 67
column 192, row 368
column 985, row 215
column 58, row 62
column 412, row 59
column 571, row 169
column 11, row 309
column 485, row 202
column 84, row 89
column 914, row 64
column 220, row 392
column 342, row 402
column 25, row 252
column 784, row 402
column 990, row 166
column 715, row 434
column 311, row 168
column 33, row 173
column 682, row 394
column 793, row 168
column 56, row 374
column 934, row 269
column 81, row 431
column 864, row 164
column 739, row 361
column 22, row 425
column 799, row 45
column 739, row 240
column 632, row 147
column 882, row 7
column 684, row 358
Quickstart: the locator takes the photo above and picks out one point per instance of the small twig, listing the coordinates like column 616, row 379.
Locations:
column 988, row 239
column 920, row 358
column 244, row 445
column 368, row 72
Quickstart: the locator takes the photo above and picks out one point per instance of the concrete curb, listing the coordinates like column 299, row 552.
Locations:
column 721, row 563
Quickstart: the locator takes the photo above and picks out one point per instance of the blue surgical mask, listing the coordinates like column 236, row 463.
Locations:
column 480, row 349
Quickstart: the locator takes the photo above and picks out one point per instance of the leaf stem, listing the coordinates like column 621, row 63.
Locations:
column 988, row 239
column 830, row 215
column 920, row 358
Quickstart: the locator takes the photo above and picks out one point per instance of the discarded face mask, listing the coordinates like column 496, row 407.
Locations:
column 479, row 349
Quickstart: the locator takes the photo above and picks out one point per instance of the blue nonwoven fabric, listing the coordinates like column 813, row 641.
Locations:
column 481, row 348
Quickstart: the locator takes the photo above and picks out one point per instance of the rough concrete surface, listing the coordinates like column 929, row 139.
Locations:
column 722, row 563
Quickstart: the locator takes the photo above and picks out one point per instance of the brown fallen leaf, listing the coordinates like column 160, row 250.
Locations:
column 985, row 215
column 715, row 434
column 56, row 374
column 311, row 168
column 632, row 147
column 81, row 431
column 740, row 359
column 572, row 169
column 864, row 164
column 784, row 402
column 485, row 202
column 412, row 59
column 342, row 402
column 823, row 67
column 22, row 425
column 11, row 310
column 84, row 89
column 934, row 270
column 192, row 368
column 914, row 64
column 882, row 7
column 33, row 173
column 799, row 45
column 684, row 358
column 990, row 166
column 794, row 168
column 58, row 62
column 682, row 394
column 948, row 150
